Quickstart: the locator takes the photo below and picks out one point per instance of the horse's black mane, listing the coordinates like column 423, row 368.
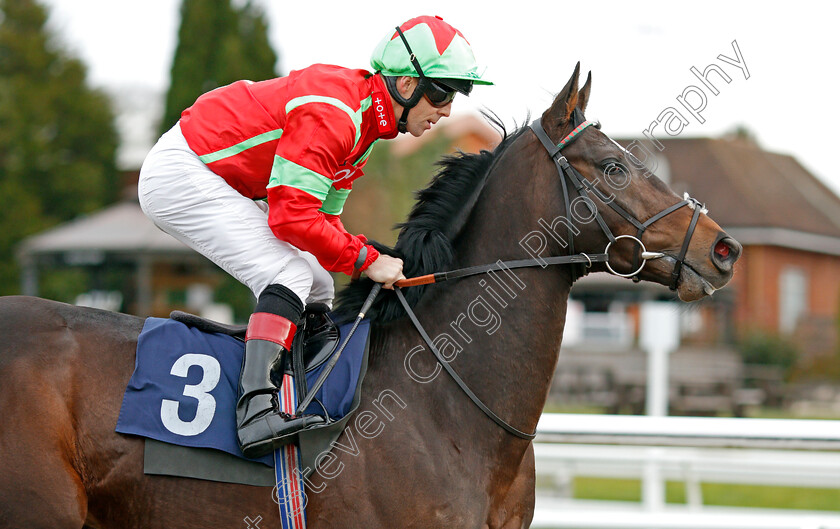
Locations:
column 425, row 240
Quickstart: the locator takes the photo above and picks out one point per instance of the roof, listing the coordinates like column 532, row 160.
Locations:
column 747, row 187
column 122, row 227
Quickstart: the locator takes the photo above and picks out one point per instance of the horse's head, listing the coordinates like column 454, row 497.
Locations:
column 612, row 201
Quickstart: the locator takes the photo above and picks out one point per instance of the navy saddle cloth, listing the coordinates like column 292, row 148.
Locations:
column 184, row 387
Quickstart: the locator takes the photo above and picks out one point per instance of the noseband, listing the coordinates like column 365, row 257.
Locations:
column 584, row 187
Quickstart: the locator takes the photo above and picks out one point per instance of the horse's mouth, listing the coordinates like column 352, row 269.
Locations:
column 693, row 285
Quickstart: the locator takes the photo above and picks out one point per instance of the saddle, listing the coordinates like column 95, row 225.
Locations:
column 316, row 338
column 190, row 340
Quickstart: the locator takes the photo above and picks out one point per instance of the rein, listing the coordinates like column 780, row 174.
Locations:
column 584, row 187
column 458, row 380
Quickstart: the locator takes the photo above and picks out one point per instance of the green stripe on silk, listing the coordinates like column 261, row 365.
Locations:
column 242, row 146
column 355, row 117
column 286, row 173
column 366, row 154
column 334, row 204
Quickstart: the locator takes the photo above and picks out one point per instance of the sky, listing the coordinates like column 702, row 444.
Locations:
column 783, row 87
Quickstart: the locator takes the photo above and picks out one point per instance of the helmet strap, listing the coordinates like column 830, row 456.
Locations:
column 402, row 124
column 409, row 102
column 419, row 90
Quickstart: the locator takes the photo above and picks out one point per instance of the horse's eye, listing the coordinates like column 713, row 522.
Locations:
column 614, row 168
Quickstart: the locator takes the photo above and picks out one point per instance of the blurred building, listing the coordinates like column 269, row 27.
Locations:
column 134, row 267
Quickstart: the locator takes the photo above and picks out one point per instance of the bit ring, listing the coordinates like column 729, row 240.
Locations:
column 641, row 245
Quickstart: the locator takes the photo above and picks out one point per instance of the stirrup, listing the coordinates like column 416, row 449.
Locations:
column 266, row 434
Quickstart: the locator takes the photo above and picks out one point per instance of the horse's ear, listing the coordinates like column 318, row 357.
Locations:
column 564, row 104
column 583, row 95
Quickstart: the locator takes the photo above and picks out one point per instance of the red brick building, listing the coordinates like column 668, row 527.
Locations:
column 788, row 280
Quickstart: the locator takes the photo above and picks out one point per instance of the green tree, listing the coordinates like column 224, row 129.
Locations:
column 217, row 45
column 58, row 139
column 762, row 348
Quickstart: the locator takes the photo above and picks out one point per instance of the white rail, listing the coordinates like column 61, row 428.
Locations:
column 692, row 465
column 689, row 431
column 689, row 449
column 553, row 514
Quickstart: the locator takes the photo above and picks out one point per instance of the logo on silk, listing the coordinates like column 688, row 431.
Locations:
column 347, row 173
column 380, row 112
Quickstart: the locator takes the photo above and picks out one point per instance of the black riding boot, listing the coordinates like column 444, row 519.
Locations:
column 261, row 427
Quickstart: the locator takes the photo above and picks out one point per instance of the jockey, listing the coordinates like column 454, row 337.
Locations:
column 254, row 177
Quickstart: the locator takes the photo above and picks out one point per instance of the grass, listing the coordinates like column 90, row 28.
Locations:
column 714, row 494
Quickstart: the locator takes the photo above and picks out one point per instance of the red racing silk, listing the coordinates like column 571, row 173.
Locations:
column 300, row 141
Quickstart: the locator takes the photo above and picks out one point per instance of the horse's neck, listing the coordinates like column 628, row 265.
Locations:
column 514, row 321
column 505, row 327
column 518, row 358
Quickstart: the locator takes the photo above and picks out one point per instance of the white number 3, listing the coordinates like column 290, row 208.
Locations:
column 206, row 409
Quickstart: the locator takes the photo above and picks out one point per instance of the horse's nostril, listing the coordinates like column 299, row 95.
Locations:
column 725, row 252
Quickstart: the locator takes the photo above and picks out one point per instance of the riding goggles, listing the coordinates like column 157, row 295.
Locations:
column 439, row 95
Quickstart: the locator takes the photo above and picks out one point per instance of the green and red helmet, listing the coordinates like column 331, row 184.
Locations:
column 430, row 49
column 441, row 51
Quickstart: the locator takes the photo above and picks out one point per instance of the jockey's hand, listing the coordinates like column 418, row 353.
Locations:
column 386, row 270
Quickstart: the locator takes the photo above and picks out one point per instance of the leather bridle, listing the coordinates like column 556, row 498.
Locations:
column 583, row 187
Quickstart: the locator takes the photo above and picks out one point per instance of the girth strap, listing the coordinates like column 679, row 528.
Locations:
column 298, row 368
column 461, row 384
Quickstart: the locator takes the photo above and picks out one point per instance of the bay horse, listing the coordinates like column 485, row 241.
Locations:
column 419, row 454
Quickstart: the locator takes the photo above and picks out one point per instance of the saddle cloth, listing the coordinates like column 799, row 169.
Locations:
column 184, row 387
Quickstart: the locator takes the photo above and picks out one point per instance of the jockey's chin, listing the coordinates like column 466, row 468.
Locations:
column 423, row 116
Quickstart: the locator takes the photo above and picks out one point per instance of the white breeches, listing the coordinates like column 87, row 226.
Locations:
column 196, row 206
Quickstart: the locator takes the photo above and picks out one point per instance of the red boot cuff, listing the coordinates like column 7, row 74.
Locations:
column 271, row 327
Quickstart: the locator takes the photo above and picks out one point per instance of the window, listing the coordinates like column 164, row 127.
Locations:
column 793, row 298
column 662, row 169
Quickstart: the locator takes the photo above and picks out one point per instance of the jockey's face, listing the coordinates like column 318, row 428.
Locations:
column 423, row 115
